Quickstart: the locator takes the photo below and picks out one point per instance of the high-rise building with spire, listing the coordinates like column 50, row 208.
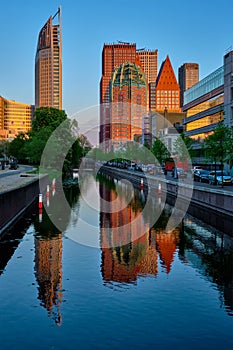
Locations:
column 48, row 64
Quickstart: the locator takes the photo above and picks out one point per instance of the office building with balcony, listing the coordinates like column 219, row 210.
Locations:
column 48, row 64
column 15, row 118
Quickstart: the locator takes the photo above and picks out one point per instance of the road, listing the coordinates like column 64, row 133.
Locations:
column 204, row 184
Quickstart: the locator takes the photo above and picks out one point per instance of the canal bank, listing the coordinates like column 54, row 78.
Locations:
column 211, row 205
column 17, row 192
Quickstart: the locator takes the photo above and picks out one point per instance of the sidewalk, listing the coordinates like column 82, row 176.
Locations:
column 11, row 179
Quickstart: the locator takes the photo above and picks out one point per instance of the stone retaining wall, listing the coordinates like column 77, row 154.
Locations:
column 15, row 200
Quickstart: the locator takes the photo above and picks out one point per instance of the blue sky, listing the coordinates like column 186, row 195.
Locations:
column 188, row 31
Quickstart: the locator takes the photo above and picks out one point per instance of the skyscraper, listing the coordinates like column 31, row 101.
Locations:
column 188, row 75
column 128, row 94
column 149, row 63
column 113, row 55
column 48, row 64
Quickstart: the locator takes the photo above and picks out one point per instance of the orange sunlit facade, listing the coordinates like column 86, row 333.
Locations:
column 114, row 55
column 128, row 97
column 15, row 118
column 167, row 90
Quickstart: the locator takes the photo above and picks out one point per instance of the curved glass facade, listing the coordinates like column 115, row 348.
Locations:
column 209, row 83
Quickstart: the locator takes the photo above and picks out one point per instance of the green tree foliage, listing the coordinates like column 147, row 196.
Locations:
column 4, row 148
column 16, row 147
column 160, row 151
column 229, row 147
column 51, row 124
column 216, row 145
column 183, row 147
column 47, row 117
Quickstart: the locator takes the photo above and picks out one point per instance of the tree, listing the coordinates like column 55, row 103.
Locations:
column 229, row 147
column 47, row 117
column 16, row 147
column 216, row 145
column 183, row 147
column 4, row 148
column 160, row 151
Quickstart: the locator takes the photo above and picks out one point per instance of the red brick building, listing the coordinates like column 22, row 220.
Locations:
column 113, row 55
column 128, row 97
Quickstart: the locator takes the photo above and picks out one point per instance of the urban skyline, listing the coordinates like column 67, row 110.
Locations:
column 81, row 49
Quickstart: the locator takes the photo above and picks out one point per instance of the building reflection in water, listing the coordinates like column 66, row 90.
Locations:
column 48, row 272
column 48, row 252
column 48, row 263
column 203, row 248
column 128, row 250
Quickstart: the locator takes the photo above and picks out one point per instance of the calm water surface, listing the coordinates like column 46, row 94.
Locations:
column 158, row 290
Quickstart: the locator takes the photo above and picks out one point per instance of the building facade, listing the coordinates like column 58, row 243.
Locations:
column 48, row 64
column 128, row 97
column 113, row 55
column 15, row 118
column 228, row 88
column 149, row 63
column 204, row 105
column 188, row 75
column 167, row 90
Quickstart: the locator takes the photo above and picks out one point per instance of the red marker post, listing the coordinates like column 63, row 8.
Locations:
column 40, row 201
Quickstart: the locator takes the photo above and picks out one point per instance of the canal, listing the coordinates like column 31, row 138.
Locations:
column 110, row 277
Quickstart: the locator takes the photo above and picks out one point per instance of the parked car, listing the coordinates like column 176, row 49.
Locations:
column 201, row 175
column 13, row 164
column 195, row 168
column 181, row 173
column 138, row 168
column 222, row 178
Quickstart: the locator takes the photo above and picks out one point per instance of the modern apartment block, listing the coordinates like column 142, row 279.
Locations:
column 15, row 118
column 188, row 75
column 48, row 64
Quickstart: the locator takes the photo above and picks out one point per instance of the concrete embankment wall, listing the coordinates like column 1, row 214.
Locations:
column 211, row 205
column 15, row 200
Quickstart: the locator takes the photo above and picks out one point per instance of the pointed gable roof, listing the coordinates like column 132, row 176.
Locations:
column 166, row 79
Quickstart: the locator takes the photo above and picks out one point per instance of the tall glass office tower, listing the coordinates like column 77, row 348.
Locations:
column 48, row 64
